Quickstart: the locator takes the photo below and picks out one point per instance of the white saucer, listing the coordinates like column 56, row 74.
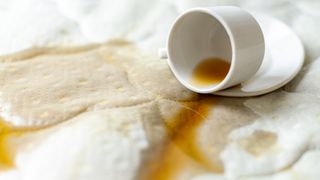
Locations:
column 283, row 60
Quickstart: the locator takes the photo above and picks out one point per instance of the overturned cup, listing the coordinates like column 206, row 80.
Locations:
column 211, row 49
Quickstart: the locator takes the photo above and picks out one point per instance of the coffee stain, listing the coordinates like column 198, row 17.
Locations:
column 196, row 135
column 179, row 154
column 6, row 150
column 181, row 151
column 9, row 144
column 210, row 71
column 259, row 142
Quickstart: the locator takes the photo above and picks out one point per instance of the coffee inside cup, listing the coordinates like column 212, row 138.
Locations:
column 210, row 71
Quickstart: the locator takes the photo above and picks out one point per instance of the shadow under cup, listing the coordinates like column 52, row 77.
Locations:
column 197, row 36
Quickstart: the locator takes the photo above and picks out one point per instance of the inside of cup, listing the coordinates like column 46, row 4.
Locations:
column 195, row 37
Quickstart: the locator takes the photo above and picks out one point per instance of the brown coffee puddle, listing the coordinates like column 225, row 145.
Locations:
column 6, row 159
column 8, row 144
column 210, row 71
column 181, row 152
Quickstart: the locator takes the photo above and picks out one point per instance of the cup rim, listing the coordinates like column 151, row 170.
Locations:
column 220, row 85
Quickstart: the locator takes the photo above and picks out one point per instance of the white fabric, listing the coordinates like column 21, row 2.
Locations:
column 293, row 113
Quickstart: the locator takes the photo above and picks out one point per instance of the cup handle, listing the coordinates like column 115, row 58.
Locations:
column 162, row 53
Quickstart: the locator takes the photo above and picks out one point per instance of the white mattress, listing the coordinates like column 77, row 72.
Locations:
column 293, row 112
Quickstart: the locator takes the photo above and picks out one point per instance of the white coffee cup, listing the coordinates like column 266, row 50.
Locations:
column 224, row 32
